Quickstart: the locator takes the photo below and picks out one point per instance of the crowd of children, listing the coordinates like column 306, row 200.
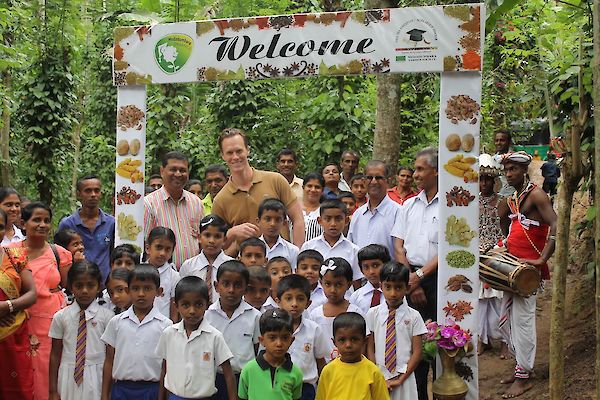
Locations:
column 277, row 323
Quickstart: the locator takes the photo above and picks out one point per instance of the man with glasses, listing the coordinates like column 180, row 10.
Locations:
column 372, row 222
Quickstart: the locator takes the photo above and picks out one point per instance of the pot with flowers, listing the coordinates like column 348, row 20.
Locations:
column 452, row 343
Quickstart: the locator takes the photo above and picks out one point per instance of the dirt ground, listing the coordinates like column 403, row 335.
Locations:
column 579, row 334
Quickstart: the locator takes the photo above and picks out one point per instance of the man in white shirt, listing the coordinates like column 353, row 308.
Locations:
column 349, row 165
column 372, row 222
column 287, row 165
column 416, row 243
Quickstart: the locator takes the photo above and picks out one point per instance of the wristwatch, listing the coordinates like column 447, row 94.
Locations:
column 420, row 273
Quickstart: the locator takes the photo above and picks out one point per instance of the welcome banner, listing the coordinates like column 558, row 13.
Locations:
column 423, row 39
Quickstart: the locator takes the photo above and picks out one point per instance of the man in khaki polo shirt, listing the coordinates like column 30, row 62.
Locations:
column 237, row 203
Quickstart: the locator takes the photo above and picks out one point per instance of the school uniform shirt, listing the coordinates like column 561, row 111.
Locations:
column 197, row 266
column 282, row 248
column 317, row 297
column 374, row 225
column 17, row 237
column 342, row 248
column 362, row 297
column 269, row 305
column 241, row 331
column 169, row 278
column 133, row 341
column 417, row 225
column 408, row 324
column 326, row 324
column 309, row 344
column 260, row 380
column 360, row 380
column 192, row 361
column 105, row 301
column 65, row 326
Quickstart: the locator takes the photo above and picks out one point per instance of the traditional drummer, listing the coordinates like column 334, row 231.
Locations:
column 529, row 223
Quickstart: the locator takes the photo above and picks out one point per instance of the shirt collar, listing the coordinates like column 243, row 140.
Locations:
column 164, row 268
column 341, row 239
column 90, row 311
column 257, row 176
column 18, row 234
column 422, row 196
column 153, row 314
column 277, row 243
column 382, row 207
column 164, row 195
column 400, row 311
column 243, row 307
column 263, row 364
column 77, row 217
column 296, row 181
column 203, row 327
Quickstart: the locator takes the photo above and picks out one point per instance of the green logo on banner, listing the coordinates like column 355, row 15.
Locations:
column 400, row 58
column 172, row 52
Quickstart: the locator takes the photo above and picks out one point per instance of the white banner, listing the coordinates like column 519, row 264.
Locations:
column 421, row 39
column 458, row 248
column 130, row 161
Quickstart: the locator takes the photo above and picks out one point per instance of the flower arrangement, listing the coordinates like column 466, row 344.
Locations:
column 449, row 337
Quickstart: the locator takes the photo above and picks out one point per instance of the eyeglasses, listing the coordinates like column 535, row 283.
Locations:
column 377, row 178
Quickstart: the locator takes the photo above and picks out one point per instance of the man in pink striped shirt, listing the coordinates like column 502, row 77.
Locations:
column 173, row 207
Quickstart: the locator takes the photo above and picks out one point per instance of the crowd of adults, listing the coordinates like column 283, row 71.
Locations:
column 400, row 215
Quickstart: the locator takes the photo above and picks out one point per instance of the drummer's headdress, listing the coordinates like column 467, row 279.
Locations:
column 518, row 157
column 489, row 166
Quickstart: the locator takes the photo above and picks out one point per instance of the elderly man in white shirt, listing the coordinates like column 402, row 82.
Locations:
column 415, row 243
column 372, row 222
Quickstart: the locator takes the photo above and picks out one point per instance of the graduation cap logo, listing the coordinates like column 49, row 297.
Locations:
column 416, row 35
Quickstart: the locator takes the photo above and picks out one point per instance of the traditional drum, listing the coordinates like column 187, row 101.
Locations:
column 503, row 271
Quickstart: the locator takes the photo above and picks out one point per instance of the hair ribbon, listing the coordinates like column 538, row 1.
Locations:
column 330, row 267
column 207, row 222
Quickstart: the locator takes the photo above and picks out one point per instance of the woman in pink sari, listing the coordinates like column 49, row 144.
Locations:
column 17, row 292
column 49, row 265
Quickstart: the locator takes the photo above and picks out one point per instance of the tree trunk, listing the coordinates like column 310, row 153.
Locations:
column 596, row 97
column 572, row 172
column 386, row 142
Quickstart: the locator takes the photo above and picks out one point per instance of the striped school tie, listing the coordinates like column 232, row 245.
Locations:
column 209, row 283
column 390, row 342
column 80, row 349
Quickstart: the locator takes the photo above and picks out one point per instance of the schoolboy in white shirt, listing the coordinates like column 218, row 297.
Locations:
column 192, row 349
column 271, row 217
column 235, row 319
column 310, row 345
column 332, row 243
column 129, row 373
column 370, row 258
column 258, row 292
column 398, row 372
column 308, row 265
column 213, row 230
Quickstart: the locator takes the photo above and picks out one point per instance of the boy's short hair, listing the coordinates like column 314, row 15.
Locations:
column 275, row 260
column 259, row 273
column 120, row 274
column 293, row 281
column 234, row 266
column 306, row 254
column 191, row 284
column 333, row 204
column 393, row 271
column 271, row 205
column 254, row 242
column 213, row 220
column 144, row 272
column 357, row 177
column 345, row 194
column 374, row 252
column 342, row 268
column 350, row 320
column 276, row 320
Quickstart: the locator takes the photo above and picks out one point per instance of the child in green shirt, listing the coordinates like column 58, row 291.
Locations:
column 272, row 375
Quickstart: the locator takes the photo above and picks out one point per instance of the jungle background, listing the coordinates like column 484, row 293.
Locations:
column 58, row 113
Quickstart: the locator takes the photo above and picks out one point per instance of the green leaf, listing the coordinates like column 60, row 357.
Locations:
column 590, row 214
column 504, row 8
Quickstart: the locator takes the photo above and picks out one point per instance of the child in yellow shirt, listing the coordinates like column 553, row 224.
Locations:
column 352, row 375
